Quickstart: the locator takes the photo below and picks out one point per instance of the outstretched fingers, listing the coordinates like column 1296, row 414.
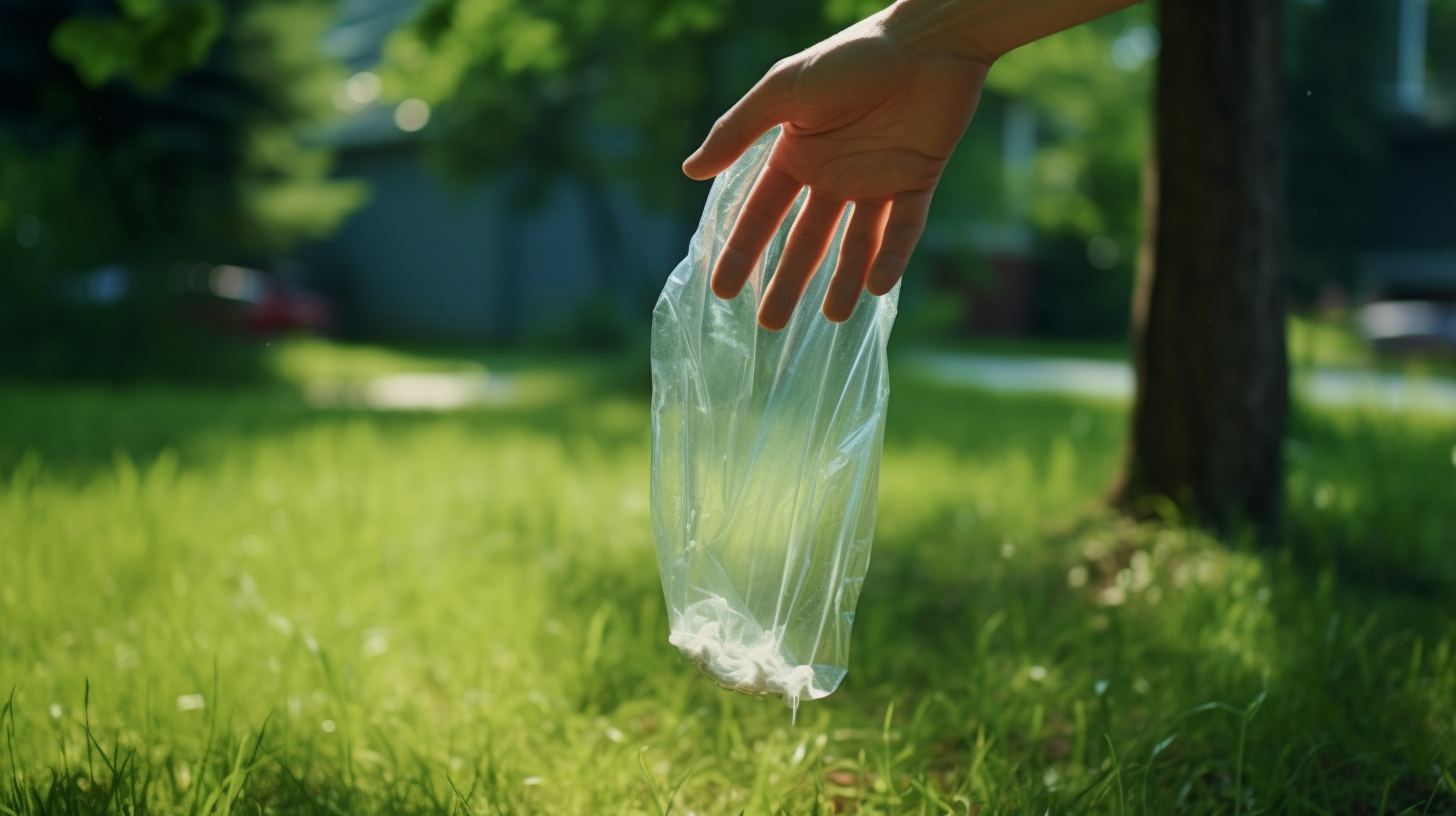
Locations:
column 804, row 251
column 856, row 252
column 767, row 204
column 902, row 232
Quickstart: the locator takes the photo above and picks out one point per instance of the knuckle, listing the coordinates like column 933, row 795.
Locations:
column 725, row 127
column 753, row 223
column 901, row 231
column 782, row 67
column 890, row 262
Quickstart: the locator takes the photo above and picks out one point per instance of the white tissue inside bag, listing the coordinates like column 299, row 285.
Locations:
column 765, row 463
column 741, row 655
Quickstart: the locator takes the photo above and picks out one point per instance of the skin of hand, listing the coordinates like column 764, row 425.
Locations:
column 870, row 116
column 868, row 119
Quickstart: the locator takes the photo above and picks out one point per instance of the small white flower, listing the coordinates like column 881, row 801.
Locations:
column 1050, row 778
column 1037, row 673
column 328, row 726
column 191, row 702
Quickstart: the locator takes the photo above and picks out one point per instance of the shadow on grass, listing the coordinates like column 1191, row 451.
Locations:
column 76, row 432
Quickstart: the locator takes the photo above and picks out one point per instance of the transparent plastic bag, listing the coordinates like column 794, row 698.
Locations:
column 765, row 462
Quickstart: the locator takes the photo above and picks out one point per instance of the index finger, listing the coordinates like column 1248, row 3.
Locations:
column 752, row 116
column 762, row 213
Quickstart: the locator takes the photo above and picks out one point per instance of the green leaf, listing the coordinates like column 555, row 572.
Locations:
column 150, row 45
column 97, row 48
column 174, row 41
column 141, row 9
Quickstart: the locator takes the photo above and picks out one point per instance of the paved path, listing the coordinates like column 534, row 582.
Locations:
column 1113, row 380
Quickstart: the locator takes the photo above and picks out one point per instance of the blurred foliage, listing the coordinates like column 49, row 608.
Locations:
column 139, row 134
column 1091, row 89
column 542, row 90
column 601, row 95
column 537, row 91
column 149, row 43
column 587, row 88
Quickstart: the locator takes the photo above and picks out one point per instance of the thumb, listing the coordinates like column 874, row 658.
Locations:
column 763, row 107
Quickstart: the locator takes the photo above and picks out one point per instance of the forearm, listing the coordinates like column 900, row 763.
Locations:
column 984, row 30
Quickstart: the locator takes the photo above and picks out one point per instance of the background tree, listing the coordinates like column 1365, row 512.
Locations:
column 609, row 95
column 1208, row 316
column 1090, row 88
column 140, row 134
column 613, row 96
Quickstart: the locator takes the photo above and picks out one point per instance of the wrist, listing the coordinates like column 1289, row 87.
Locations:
column 936, row 28
column 985, row 30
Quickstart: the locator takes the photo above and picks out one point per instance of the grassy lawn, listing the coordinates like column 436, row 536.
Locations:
column 229, row 601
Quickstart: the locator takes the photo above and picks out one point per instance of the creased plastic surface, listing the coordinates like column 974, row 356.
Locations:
column 765, row 463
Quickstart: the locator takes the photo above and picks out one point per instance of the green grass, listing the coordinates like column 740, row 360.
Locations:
column 1327, row 341
column 229, row 602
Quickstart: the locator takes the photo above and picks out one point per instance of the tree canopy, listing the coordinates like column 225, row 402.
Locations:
column 551, row 87
column 536, row 90
column 143, row 133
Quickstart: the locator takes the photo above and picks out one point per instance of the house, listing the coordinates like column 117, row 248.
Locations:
column 424, row 260
column 1409, row 268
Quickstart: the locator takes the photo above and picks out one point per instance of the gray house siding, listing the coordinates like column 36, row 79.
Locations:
column 421, row 260
column 1413, row 253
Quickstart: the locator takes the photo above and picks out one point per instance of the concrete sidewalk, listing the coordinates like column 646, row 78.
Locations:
column 1113, row 380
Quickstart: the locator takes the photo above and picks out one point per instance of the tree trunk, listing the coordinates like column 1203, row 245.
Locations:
column 1208, row 312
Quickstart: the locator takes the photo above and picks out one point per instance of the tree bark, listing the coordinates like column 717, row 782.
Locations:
column 1208, row 310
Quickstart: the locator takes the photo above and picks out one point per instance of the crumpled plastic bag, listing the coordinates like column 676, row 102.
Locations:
column 765, row 462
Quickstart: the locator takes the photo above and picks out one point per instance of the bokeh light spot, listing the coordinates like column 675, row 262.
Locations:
column 1103, row 252
column 412, row 114
column 362, row 88
column 1134, row 47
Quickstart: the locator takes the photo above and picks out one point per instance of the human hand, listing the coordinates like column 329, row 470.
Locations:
column 869, row 118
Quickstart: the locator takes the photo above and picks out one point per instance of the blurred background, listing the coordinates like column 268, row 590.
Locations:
column 183, row 180
column 325, row 450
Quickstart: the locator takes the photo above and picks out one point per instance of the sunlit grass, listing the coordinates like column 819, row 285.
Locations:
column 280, row 609
column 1334, row 341
column 1326, row 341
